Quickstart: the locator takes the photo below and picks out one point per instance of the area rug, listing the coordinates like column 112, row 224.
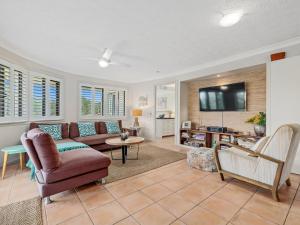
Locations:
column 150, row 157
column 28, row 212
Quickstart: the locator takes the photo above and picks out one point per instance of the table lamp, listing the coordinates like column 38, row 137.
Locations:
column 136, row 113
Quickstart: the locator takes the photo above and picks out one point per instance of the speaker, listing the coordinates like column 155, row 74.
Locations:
column 217, row 129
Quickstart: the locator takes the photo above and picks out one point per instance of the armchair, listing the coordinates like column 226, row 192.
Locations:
column 269, row 168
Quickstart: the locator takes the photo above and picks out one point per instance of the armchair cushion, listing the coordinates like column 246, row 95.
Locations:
column 75, row 163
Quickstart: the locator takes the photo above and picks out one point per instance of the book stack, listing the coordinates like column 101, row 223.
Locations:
column 225, row 138
column 200, row 137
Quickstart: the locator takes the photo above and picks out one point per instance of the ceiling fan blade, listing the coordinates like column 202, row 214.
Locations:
column 119, row 64
column 107, row 54
column 91, row 59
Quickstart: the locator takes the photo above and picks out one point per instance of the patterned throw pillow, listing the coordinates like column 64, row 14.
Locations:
column 53, row 129
column 112, row 127
column 86, row 129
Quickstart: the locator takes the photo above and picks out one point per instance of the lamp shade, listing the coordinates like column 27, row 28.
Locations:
column 137, row 112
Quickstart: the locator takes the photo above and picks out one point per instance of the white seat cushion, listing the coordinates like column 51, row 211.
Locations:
column 239, row 162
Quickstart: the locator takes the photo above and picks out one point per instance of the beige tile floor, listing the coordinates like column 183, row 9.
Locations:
column 173, row 194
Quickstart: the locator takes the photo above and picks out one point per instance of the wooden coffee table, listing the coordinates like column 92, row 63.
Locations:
column 130, row 141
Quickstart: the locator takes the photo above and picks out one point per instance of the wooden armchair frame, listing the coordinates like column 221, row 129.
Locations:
column 273, row 188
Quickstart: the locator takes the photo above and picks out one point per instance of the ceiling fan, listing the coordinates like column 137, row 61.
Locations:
column 105, row 59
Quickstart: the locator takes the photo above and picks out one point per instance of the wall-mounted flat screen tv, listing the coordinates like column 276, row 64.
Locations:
column 229, row 97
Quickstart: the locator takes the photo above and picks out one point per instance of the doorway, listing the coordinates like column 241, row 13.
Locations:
column 165, row 110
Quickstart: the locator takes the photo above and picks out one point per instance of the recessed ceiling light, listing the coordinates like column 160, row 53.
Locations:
column 218, row 75
column 231, row 19
column 103, row 63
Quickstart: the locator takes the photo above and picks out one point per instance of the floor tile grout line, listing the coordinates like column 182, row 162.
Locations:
column 242, row 207
column 198, row 204
column 45, row 211
column 159, row 182
column 288, row 212
column 86, row 211
column 146, row 173
column 72, row 216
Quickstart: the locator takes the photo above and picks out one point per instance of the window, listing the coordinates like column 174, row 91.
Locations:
column 54, row 98
column 99, row 101
column 20, row 94
column 122, row 99
column 38, row 100
column 86, row 94
column 112, row 103
column 13, row 93
column 46, row 97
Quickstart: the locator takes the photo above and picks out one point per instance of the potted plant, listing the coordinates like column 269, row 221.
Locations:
column 259, row 121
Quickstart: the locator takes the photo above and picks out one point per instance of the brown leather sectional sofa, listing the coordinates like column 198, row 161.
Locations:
column 56, row 172
column 70, row 132
column 95, row 141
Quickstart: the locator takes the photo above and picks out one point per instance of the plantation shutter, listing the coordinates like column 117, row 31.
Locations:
column 54, row 95
column 111, row 103
column 98, row 101
column 5, row 88
column 121, row 103
column 20, row 94
column 38, row 96
column 86, row 95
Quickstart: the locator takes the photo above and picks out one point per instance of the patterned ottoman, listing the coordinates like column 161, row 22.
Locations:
column 202, row 158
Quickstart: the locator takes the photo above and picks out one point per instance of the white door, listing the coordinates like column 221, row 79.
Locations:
column 284, row 97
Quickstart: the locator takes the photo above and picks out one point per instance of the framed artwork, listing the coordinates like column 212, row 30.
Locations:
column 143, row 101
column 187, row 125
column 162, row 103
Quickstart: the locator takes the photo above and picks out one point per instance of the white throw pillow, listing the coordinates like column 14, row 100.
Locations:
column 259, row 144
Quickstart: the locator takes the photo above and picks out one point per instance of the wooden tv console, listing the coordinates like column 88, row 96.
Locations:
column 204, row 138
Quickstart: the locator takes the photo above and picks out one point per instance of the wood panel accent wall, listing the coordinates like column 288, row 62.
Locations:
column 255, row 79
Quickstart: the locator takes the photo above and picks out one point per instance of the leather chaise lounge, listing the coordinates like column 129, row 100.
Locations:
column 56, row 172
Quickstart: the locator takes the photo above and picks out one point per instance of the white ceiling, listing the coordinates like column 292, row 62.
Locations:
column 158, row 35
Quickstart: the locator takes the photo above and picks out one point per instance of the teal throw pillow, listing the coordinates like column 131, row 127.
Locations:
column 53, row 129
column 86, row 129
column 112, row 127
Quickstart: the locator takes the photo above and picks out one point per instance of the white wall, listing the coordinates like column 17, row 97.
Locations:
column 283, row 96
column 10, row 133
column 147, row 120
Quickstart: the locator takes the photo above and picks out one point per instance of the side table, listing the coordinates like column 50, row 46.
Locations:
column 16, row 149
column 136, row 131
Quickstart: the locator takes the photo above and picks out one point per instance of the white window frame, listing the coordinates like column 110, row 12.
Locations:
column 48, row 108
column 12, row 118
column 93, row 116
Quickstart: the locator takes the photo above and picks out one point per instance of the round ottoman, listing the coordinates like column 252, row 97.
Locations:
column 202, row 158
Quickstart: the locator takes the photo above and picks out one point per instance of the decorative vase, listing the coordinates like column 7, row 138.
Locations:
column 124, row 136
column 259, row 130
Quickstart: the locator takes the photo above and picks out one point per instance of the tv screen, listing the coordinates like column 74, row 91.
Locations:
column 229, row 97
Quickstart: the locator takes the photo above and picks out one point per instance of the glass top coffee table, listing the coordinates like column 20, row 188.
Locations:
column 124, row 144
